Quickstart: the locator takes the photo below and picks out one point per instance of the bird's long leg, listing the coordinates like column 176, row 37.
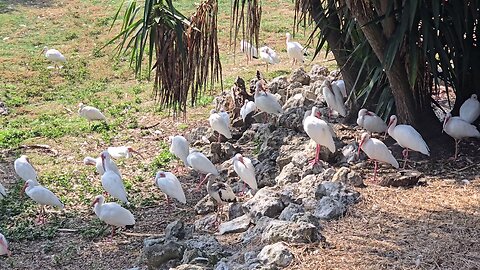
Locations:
column 38, row 216
column 317, row 155
column 219, row 138
column 266, row 117
column 405, row 155
column 267, row 66
column 202, row 177
column 456, row 149
column 375, row 171
column 168, row 203
column 43, row 214
column 113, row 233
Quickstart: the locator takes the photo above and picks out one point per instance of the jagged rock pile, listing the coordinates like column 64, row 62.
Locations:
column 294, row 196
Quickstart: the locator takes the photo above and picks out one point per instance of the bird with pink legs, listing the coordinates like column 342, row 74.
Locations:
column 113, row 214
column 4, row 246
column 319, row 131
column 168, row 183
column 244, row 168
column 42, row 196
column 377, row 151
column 200, row 163
column 459, row 129
column 408, row 138
column 222, row 193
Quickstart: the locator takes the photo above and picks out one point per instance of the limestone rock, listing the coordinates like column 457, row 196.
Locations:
column 239, row 224
column 158, row 254
column 289, row 174
column 236, row 209
column 406, row 178
column 266, row 172
column 210, row 248
column 189, row 267
column 300, row 76
column 205, row 223
column 290, row 211
column 329, row 208
column 205, row 205
column 178, row 230
column 291, row 232
column 277, row 254
column 292, row 118
column 266, row 202
column 277, row 83
column 348, row 177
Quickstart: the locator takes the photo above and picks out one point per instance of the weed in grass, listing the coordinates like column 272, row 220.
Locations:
column 182, row 126
column 96, row 228
column 204, row 100
column 161, row 161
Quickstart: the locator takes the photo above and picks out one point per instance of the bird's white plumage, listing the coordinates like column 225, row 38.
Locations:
column 3, row 245
column 24, row 169
column 458, row 128
column 294, row 50
column 341, row 85
column 377, row 150
column 319, row 130
column 179, row 146
column 370, row 121
column 3, row 192
column 201, row 163
column 268, row 55
column 248, row 107
column 470, row 109
column 407, row 137
column 112, row 213
column 42, row 195
column 90, row 113
column 225, row 117
column 120, row 151
column 112, row 182
column 221, row 192
column 97, row 162
column 54, row 55
column 334, row 98
column 218, row 123
column 169, row 184
column 248, row 49
column 265, row 101
column 244, row 168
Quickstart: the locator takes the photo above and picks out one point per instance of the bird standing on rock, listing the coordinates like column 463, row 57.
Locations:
column 459, row 129
column 218, row 123
column 470, row 109
column 168, row 183
column 265, row 101
column 41, row 196
column 334, row 98
column 376, row 150
column 247, row 108
column 319, row 131
column 244, row 168
column 222, row 193
column 371, row 122
column 407, row 137
column 90, row 113
column 113, row 214
column 201, row 164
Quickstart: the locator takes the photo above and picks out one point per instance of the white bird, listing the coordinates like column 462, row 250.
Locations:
column 407, row 137
column 90, row 113
column 24, row 169
column 225, row 116
column 269, row 56
column 459, row 129
column 217, row 122
column 113, row 214
column 248, row 107
column 3, row 192
column 294, row 50
column 244, row 168
column 4, row 246
column 41, row 196
column 249, row 50
column 265, row 101
column 97, row 162
column 222, row 193
column 179, row 146
column 54, row 55
column 201, row 164
column 169, row 184
column 470, row 109
column 319, row 131
column 122, row 151
column 333, row 97
column 341, row 85
column 112, row 182
column 376, row 150
column 371, row 122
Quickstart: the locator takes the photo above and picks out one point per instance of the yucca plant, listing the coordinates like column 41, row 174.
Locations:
column 182, row 52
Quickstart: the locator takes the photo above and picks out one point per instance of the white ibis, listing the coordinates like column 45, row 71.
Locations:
column 265, row 101
column 407, row 137
column 222, row 193
column 225, row 116
column 459, row 129
column 41, row 196
column 122, row 151
column 90, row 113
column 249, row 50
column 470, row 109
column 3, row 192
column 24, row 169
column 97, row 162
column 217, row 122
column 248, row 107
column 319, row 131
column 112, row 182
column 113, row 214
column 334, row 98
column 268, row 55
column 244, row 168
column 371, row 122
column 4, row 246
column 179, row 146
column 341, row 85
column 201, row 164
column 54, row 55
column 294, row 50
column 376, row 150
column 168, row 183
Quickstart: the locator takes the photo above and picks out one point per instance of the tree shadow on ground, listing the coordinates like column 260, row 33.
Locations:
column 7, row 6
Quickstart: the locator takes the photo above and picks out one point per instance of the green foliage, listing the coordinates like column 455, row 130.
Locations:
column 161, row 161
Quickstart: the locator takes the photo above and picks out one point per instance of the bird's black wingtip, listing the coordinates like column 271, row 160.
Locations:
column 255, row 57
column 130, row 226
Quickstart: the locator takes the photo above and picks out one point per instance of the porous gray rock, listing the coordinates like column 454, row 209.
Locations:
column 289, row 174
column 348, row 177
column 254, row 233
column 290, row 211
column 196, row 134
column 329, row 208
column 266, row 172
column 235, row 210
column 291, row 232
column 239, row 224
column 277, row 84
column 277, row 254
column 266, row 202
column 292, row 118
column 247, row 137
column 189, row 267
column 160, row 253
column 206, row 223
column 300, row 76
column 205, row 205
column 318, row 71
column 178, row 230
column 210, row 248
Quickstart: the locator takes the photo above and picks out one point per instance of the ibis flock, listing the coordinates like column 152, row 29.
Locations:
column 319, row 130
